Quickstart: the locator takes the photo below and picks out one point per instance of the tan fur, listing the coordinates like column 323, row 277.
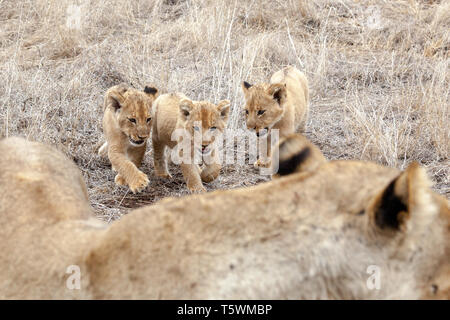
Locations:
column 285, row 102
column 293, row 145
column 176, row 111
column 307, row 235
column 123, row 104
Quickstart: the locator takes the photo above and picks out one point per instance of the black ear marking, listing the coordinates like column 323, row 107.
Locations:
column 185, row 111
column 387, row 213
column 247, row 85
column 434, row 288
column 277, row 95
column 150, row 90
column 116, row 105
column 289, row 166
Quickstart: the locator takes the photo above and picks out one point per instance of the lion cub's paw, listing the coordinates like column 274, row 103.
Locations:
column 262, row 164
column 103, row 150
column 197, row 189
column 119, row 180
column 163, row 174
column 209, row 174
column 139, row 182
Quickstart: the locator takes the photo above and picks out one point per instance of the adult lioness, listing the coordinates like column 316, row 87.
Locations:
column 127, row 122
column 175, row 111
column 282, row 104
column 313, row 234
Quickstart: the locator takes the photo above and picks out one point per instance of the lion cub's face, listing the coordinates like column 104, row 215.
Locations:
column 133, row 111
column 205, row 119
column 264, row 105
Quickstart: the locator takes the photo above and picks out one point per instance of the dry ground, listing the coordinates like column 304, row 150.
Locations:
column 378, row 70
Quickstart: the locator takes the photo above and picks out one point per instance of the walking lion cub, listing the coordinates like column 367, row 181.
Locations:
column 282, row 104
column 127, row 122
column 192, row 119
column 344, row 230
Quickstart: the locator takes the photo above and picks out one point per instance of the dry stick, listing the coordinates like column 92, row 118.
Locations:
column 293, row 46
column 120, row 203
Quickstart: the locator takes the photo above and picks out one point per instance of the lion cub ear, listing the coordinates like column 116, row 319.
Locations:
column 186, row 107
column 114, row 97
column 151, row 91
column 295, row 154
column 406, row 204
column 278, row 92
column 245, row 86
column 224, row 109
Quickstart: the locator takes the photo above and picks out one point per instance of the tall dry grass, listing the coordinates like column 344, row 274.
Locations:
column 378, row 72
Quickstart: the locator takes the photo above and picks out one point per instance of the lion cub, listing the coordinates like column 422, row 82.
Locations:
column 127, row 122
column 281, row 104
column 191, row 119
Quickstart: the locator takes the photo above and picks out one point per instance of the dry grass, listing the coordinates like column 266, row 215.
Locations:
column 378, row 72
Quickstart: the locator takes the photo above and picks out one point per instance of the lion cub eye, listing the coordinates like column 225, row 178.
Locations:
column 212, row 128
column 149, row 119
column 261, row 112
column 246, row 112
column 196, row 128
column 132, row 120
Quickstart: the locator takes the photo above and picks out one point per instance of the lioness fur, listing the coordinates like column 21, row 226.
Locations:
column 295, row 153
column 311, row 234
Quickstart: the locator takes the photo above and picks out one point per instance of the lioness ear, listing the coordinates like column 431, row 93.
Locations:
column 406, row 204
column 151, row 91
column 278, row 92
column 295, row 154
column 186, row 107
column 224, row 109
column 114, row 97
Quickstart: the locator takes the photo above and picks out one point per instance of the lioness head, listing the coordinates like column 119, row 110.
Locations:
column 264, row 105
column 205, row 118
column 133, row 111
column 396, row 225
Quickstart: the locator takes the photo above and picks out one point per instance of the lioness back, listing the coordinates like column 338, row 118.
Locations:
column 312, row 234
